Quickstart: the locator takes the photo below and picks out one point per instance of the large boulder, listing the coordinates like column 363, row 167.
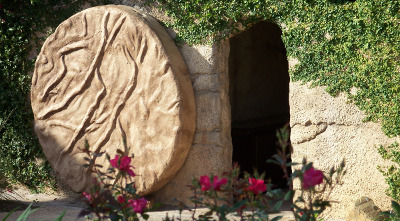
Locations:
column 108, row 72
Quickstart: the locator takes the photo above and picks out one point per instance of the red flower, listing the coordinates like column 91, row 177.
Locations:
column 138, row 205
column 312, row 178
column 205, row 183
column 257, row 186
column 123, row 164
column 121, row 199
column 218, row 183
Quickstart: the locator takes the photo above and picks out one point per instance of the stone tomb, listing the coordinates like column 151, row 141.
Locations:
column 111, row 71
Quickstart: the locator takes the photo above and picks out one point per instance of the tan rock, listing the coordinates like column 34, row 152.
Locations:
column 327, row 129
column 364, row 210
column 208, row 110
column 212, row 148
column 109, row 71
column 207, row 82
column 198, row 58
column 201, row 164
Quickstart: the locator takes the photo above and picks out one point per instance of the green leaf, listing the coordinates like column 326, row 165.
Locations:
column 28, row 211
column 289, row 195
column 145, row 216
column 59, row 218
column 278, row 205
column 277, row 218
column 10, row 213
column 396, row 207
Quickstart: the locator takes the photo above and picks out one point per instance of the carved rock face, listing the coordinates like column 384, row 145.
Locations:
column 105, row 72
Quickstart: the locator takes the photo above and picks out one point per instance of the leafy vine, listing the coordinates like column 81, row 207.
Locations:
column 23, row 23
column 348, row 46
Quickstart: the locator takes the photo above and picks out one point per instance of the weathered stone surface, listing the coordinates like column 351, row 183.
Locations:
column 212, row 148
column 326, row 129
column 198, row 58
column 106, row 72
column 202, row 162
column 207, row 82
column 213, row 138
column 314, row 105
column 364, row 210
column 208, row 105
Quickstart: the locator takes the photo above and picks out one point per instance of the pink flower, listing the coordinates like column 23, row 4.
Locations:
column 312, row 178
column 138, row 205
column 205, row 183
column 87, row 195
column 218, row 183
column 256, row 186
column 123, row 164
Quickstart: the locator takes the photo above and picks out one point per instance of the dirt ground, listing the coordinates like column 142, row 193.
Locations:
column 51, row 205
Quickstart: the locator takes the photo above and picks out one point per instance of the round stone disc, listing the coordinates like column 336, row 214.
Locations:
column 108, row 72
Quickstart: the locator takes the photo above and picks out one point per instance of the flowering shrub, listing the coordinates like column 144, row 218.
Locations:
column 315, row 190
column 206, row 184
column 250, row 197
column 113, row 195
column 316, row 187
column 236, row 195
column 231, row 194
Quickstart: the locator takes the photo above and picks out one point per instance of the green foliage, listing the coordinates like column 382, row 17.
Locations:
column 206, row 21
column 393, row 215
column 392, row 173
column 348, row 46
column 20, row 23
column 340, row 44
column 351, row 45
column 27, row 212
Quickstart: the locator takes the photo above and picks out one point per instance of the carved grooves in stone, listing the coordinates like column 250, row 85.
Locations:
column 106, row 41
column 112, row 78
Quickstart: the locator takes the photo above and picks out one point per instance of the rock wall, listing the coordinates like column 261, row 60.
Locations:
column 326, row 129
column 211, row 150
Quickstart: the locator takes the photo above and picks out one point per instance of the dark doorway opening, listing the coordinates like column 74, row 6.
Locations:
column 259, row 97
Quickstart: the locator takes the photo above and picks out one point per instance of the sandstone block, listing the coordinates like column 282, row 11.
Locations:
column 198, row 58
column 315, row 105
column 207, row 82
column 327, row 129
column 208, row 109
column 213, row 138
column 364, row 210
